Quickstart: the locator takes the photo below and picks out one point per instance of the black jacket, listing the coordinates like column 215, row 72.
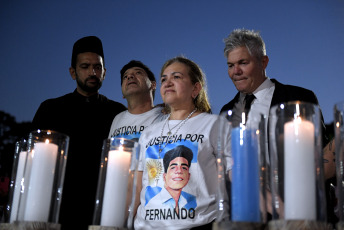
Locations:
column 87, row 122
column 287, row 93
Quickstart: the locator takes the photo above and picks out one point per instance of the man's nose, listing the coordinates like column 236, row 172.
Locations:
column 179, row 169
column 92, row 71
column 237, row 69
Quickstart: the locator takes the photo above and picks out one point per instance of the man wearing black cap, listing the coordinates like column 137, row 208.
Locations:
column 85, row 116
column 138, row 88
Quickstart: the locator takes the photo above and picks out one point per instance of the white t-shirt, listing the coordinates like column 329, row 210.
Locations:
column 130, row 126
column 197, row 203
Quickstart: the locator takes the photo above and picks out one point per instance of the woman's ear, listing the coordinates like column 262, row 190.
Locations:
column 196, row 90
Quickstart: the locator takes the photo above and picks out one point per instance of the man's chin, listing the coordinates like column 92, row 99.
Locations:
column 92, row 84
column 178, row 187
column 91, row 88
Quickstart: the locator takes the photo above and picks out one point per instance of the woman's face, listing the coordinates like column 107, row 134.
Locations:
column 176, row 86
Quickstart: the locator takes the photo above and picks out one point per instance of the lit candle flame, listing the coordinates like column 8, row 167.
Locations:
column 243, row 118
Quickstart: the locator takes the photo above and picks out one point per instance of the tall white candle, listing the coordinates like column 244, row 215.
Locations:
column 115, row 191
column 17, row 185
column 41, row 182
column 299, row 171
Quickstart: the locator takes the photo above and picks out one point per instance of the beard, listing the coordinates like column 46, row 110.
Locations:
column 90, row 88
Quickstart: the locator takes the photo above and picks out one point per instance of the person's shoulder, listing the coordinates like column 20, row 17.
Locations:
column 212, row 120
column 207, row 116
column 157, row 111
column 107, row 100
column 288, row 93
column 292, row 87
column 299, row 88
column 122, row 115
column 104, row 99
column 49, row 108
column 57, row 100
column 154, row 125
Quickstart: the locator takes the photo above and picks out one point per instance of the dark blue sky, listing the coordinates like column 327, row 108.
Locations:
column 304, row 41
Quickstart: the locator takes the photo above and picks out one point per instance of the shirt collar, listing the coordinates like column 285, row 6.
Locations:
column 80, row 97
column 265, row 85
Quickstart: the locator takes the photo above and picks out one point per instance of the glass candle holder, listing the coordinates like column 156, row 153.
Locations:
column 297, row 178
column 19, row 158
column 339, row 150
column 115, row 199
column 242, row 190
column 44, row 170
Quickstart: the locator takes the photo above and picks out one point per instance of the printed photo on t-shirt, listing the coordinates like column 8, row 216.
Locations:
column 168, row 176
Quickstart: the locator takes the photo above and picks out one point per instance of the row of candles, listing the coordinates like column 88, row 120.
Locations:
column 299, row 172
column 38, row 173
column 280, row 170
column 292, row 164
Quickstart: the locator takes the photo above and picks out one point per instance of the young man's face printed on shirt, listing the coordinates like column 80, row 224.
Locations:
column 177, row 175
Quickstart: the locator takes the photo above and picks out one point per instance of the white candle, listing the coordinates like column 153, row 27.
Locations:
column 40, row 186
column 115, row 191
column 299, row 171
column 17, row 185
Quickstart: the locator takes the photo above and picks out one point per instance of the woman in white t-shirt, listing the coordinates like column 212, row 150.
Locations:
column 178, row 155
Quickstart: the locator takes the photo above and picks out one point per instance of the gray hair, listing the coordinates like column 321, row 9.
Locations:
column 249, row 38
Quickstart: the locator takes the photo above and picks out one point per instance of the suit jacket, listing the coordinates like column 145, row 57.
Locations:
column 287, row 93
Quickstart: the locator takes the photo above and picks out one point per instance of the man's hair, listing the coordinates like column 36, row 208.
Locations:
column 87, row 44
column 245, row 38
column 179, row 151
column 135, row 63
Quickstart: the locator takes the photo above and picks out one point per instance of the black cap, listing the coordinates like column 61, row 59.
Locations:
column 134, row 63
column 87, row 44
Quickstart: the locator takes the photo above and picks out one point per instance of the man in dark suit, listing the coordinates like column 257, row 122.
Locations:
column 247, row 60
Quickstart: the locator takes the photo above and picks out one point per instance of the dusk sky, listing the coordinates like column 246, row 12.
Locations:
column 304, row 42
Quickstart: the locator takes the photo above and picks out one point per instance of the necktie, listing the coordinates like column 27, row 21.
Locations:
column 248, row 101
